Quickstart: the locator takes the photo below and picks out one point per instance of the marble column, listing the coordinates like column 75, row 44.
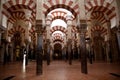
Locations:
column 39, row 51
column 11, row 52
column 2, row 53
column 39, row 55
column 64, row 53
column 69, row 20
column 82, row 30
column 48, row 24
column 27, row 52
column 48, row 52
column 109, row 43
column 51, row 53
column 79, row 54
column 0, row 38
column 118, row 38
column 69, row 51
column 0, row 48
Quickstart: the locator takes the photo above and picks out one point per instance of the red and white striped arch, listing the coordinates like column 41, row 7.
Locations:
column 58, row 38
column 98, row 16
column 13, row 5
column 67, row 4
column 19, row 15
column 59, row 15
column 74, row 29
column 57, row 34
column 100, row 29
column 32, row 31
column 58, row 28
column 16, row 29
column 101, row 5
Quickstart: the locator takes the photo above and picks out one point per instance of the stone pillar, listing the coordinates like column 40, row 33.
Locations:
column 5, row 58
column 51, row 52
column 73, row 48
column 48, row 52
column 39, row 53
column 2, row 53
column 118, row 4
column 69, row 51
column 69, row 20
column 64, row 53
column 11, row 52
column 0, row 38
column 48, row 25
column 118, row 37
column 107, row 51
column 79, row 54
column 109, row 54
column 82, row 30
column 27, row 52
column 0, row 49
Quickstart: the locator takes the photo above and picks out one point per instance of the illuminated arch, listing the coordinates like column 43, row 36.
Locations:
column 70, row 5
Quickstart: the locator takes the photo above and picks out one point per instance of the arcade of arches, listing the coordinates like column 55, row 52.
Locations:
column 52, row 30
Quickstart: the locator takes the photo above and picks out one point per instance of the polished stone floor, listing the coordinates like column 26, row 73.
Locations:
column 60, row 70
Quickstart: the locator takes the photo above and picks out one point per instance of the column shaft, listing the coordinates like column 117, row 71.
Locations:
column 39, row 56
column 83, row 53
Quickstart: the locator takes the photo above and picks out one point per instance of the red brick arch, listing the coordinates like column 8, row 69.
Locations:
column 59, row 15
column 12, row 5
column 102, row 30
column 66, row 4
column 98, row 16
column 19, row 15
column 58, row 28
column 101, row 5
column 16, row 29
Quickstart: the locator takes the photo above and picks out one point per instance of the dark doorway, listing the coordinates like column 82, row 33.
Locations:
column 57, row 55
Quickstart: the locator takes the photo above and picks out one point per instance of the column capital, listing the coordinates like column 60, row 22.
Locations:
column 69, row 20
column 69, row 42
column 48, row 41
column 82, row 28
column 69, row 17
column 27, row 14
column 48, row 20
column 39, row 27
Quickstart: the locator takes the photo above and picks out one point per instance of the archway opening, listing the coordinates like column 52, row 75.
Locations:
column 57, row 55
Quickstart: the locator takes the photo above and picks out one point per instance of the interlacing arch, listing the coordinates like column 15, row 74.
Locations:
column 58, row 37
column 102, row 30
column 32, row 31
column 18, row 15
column 50, row 8
column 23, row 10
column 101, row 5
column 69, row 5
column 12, row 5
column 99, row 17
column 58, row 28
column 59, row 15
column 16, row 29
column 74, row 29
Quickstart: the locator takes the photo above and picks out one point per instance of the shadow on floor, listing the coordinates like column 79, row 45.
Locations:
column 9, row 78
column 114, row 74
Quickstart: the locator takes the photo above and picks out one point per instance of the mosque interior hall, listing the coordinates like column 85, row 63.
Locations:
column 59, row 39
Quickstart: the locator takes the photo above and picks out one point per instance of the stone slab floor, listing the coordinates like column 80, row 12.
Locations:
column 60, row 70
